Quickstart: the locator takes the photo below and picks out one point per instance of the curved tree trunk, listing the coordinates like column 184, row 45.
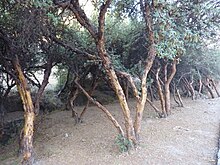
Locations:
column 94, row 85
column 98, row 36
column 146, row 9
column 29, row 115
column 167, row 87
column 45, row 81
column 108, row 114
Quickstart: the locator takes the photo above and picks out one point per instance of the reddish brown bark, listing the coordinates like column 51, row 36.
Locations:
column 148, row 64
column 28, row 129
column 98, row 36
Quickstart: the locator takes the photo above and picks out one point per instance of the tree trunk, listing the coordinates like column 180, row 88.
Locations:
column 98, row 36
column 167, row 87
column 151, row 93
column 155, row 108
column 214, row 85
column 148, row 64
column 94, row 85
column 108, row 114
column 28, row 129
column 160, row 93
column 174, row 95
column 179, row 98
column 45, row 81
column 209, row 89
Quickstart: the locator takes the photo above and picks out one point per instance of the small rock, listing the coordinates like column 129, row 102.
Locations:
column 66, row 135
column 83, row 140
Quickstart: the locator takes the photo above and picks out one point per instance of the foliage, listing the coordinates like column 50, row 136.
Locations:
column 123, row 143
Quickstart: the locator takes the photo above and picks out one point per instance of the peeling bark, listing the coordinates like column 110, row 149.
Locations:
column 28, row 129
column 148, row 64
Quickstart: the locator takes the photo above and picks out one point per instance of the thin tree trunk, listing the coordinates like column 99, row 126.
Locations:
column 45, row 81
column 167, row 87
column 160, row 93
column 179, row 97
column 214, row 85
column 108, row 114
column 94, row 85
column 155, row 108
column 29, row 115
column 146, row 10
column 174, row 95
column 151, row 93
column 126, row 89
column 209, row 90
column 65, row 85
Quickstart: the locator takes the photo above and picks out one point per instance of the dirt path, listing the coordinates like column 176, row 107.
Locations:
column 188, row 137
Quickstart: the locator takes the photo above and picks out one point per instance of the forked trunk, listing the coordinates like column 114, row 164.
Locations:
column 28, row 129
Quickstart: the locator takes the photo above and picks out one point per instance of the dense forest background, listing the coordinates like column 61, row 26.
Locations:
column 148, row 50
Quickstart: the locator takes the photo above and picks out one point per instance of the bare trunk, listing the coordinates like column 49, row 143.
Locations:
column 108, row 114
column 179, row 97
column 167, row 98
column 45, row 81
column 155, row 108
column 174, row 95
column 28, row 129
column 151, row 93
column 190, row 88
column 214, row 85
column 167, row 87
column 148, row 64
column 160, row 93
column 209, row 90
column 94, row 85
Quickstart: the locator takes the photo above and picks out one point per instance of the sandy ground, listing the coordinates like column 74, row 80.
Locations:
column 188, row 137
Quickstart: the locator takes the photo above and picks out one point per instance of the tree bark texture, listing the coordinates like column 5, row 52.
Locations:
column 29, row 115
column 148, row 64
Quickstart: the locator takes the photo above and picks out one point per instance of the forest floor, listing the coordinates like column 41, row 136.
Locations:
column 187, row 137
